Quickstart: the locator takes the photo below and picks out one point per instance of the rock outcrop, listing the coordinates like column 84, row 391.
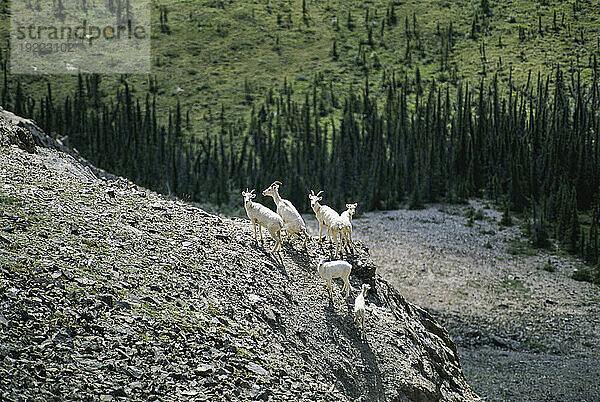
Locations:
column 111, row 291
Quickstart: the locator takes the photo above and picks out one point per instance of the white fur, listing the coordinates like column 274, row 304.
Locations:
column 292, row 221
column 346, row 220
column 335, row 269
column 263, row 216
column 326, row 216
column 359, row 309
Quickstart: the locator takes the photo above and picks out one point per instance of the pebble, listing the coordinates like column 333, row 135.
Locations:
column 257, row 369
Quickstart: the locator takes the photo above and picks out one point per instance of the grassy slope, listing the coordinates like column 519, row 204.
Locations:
column 212, row 50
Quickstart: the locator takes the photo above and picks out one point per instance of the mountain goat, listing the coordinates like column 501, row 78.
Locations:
column 359, row 309
column 263, row 216
column 292, row 221
column 326, row 216
column 335, row 269
column 346, row 219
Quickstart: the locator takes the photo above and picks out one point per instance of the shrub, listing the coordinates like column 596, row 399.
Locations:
column 479, row 214
column 521, row 248
column 539, row 236
column 583, row 275
column 506, row 219
column 588, row 274
column 548, row 266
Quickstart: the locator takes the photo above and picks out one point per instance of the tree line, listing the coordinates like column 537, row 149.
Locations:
column 534, row 149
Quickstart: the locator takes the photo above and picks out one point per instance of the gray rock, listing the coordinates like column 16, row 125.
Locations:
column 255, row 391
column 106, row 299
column 83, row 281
column 204, row 369
column 149, row 299
column 192, row 392
column 92, row 364
column 122, row 305
column 257, row 369
column 12, row 293
column 119, row 392
column 135, row 372
column 13, row 131
column 270, row 316
column 63, row 338
column 504, row 342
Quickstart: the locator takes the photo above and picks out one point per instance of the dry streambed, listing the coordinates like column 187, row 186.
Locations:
column 524, row 333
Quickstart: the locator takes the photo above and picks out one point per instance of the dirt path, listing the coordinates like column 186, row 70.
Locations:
column 524, row 333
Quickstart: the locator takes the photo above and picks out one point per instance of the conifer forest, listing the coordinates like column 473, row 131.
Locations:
column 198, row 195
column 393, row 139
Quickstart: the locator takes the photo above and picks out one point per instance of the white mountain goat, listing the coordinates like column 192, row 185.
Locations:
column 359, row 309
column 325, row 215
column 263, row 216
column 346, row 219
column 292, row 221
column 335, row 269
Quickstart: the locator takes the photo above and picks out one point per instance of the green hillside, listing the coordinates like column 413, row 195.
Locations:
column 384, row 104
column 231, row 52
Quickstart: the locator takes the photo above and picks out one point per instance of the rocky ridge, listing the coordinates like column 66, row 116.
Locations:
column 109, row 291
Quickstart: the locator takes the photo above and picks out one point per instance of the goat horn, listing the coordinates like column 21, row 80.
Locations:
column 277, row 182
column 319, row 193
column 252, row 192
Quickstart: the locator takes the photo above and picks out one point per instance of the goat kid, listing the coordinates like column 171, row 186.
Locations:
column 359, row 309
column 335, row 269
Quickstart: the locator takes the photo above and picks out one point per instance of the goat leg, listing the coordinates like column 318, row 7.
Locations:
column 320, row 231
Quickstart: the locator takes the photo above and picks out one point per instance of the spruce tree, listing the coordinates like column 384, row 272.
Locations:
column 19, row 101
column 393, row 19
column 506, row 219
column 350, row 22
column 334, row 51
column 485, row 7
column 573, row 233
column 305, row 17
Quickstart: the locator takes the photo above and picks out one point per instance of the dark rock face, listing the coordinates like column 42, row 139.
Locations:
column 362, row 266
column 27, row 135
column 13, row 131
column 154, row 299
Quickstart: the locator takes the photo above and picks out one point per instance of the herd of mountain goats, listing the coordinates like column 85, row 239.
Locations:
column 287, row 218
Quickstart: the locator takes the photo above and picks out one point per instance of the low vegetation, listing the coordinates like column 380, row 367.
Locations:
column 384, row 108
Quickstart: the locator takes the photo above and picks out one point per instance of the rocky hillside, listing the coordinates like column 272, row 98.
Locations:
column 525, row 330
column 111, row 291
